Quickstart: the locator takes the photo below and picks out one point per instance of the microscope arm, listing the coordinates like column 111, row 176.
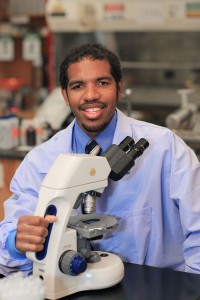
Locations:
column 59, row 192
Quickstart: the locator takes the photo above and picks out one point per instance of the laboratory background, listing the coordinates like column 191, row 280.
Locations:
column 158, row 43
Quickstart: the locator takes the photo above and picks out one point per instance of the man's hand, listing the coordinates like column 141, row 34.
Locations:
column 31, row 232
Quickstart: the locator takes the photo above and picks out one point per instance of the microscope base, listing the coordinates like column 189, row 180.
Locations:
column 103, row 274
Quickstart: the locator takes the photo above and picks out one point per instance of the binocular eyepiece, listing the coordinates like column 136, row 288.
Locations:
column 135, row 150
column 122, row 157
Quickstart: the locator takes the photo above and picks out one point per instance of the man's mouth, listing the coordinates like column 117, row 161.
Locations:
column 92, row 110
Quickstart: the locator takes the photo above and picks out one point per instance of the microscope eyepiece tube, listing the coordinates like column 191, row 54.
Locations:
column 139, row 148
column 127, row 144
column 120, row 161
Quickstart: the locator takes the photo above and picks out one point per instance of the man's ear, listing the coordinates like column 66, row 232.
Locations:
column 120, row 90
column 64, row 93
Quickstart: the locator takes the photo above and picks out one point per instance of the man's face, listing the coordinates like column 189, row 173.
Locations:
column 92, row 94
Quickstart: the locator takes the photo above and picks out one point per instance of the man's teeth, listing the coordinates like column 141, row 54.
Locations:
column 92, row 110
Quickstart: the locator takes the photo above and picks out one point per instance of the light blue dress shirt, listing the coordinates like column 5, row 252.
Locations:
column 104, row 139
column 156, row 204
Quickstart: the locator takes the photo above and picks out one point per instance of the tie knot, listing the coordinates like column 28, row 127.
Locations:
column 92, row 148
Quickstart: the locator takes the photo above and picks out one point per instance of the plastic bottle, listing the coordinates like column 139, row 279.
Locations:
column 31, row 136
column 5, row 133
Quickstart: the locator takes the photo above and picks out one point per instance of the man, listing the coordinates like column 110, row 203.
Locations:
column 157, row 203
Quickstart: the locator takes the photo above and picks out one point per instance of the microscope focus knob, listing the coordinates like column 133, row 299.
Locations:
column 72, row 263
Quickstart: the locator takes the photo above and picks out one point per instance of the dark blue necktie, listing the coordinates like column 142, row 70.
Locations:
column 92, row 148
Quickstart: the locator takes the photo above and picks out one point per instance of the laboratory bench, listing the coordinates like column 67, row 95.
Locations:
column 12, row 154
column 147, row 283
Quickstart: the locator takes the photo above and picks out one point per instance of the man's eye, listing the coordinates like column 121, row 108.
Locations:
column 76, row 87
column 103, row 82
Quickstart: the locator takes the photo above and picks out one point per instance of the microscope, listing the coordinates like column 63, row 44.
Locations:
column 68, row 264
column 185, row 116
column 185, row 121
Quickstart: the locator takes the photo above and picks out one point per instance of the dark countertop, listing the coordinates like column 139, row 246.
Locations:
column 12, row 154
column 147, row 283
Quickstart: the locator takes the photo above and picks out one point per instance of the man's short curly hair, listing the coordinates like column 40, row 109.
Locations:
column 93, row 51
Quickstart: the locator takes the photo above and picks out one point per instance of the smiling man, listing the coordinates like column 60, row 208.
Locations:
column 156, row 203
column 92, row 95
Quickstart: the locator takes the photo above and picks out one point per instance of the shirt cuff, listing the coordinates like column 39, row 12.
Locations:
column 10, row 246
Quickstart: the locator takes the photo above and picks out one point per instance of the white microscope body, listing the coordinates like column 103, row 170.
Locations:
column 69, row 176
column 67, row 264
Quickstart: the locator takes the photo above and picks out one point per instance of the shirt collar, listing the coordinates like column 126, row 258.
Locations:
column 104, row 139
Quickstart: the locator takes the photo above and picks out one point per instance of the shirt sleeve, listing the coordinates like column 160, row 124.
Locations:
column 185, row 190
column 10, row 246
column 24, row 186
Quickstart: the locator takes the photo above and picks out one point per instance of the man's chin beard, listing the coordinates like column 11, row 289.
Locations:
column 93, row 129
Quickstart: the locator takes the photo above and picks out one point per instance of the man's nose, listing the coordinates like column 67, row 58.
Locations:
column 91, row 93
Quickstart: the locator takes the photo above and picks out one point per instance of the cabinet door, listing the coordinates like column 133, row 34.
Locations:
column 7, row 170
